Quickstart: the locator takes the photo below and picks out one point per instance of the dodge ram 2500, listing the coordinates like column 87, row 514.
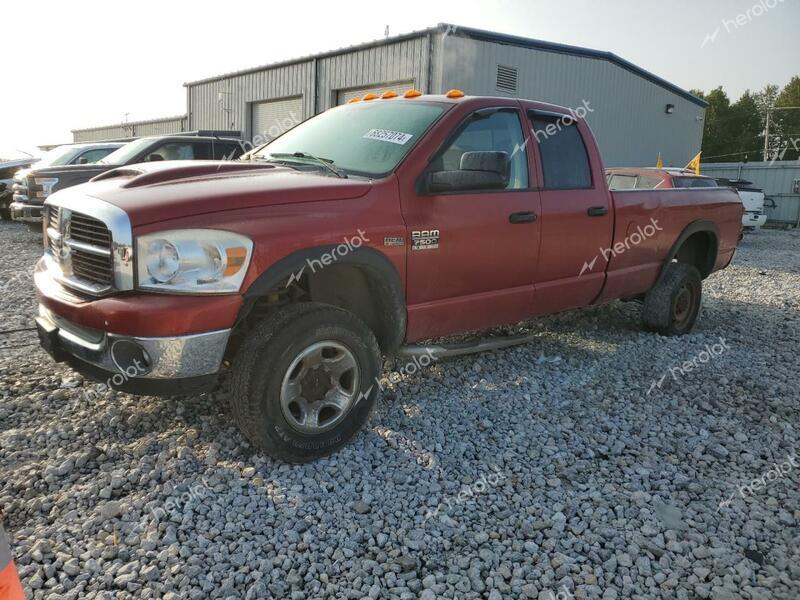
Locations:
column 369, row 227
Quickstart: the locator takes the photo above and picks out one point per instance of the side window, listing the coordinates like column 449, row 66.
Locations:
column 564, row 159
column 174, row 151
column 91, row 156
column 498, row 131
column 622, row 182
column 647, row 183
column 227, row 151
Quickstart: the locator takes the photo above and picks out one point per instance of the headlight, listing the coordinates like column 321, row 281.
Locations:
column 47, row 184
column 192, row 261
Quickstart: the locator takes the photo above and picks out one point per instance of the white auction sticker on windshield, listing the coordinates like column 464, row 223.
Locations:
column 387, row 135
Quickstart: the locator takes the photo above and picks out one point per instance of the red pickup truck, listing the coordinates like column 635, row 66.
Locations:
column 366, row 228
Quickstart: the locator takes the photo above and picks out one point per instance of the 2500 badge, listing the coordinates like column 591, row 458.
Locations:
column 427, row 239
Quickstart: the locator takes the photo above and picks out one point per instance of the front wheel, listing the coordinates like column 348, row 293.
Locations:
column 305, row 381
column 671, row 306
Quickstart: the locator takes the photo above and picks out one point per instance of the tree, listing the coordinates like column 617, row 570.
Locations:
column 716, row 136
column 746, row 127
column 787, row 122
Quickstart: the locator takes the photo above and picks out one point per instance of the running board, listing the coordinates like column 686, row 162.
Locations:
column 438, row 351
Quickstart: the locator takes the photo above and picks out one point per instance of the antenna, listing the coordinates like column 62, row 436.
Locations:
column 386, row 32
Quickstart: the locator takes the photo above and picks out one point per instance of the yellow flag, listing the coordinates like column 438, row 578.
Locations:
column 694, row 164
column 659, row 162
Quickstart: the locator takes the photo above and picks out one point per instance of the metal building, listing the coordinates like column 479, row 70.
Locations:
column 634, row 114
column 131, row 129
column 780, row 181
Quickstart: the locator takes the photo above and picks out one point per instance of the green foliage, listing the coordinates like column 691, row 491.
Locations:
column 735, row 131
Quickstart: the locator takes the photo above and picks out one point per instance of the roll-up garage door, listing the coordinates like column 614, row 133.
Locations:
column 274, row 117
column 397, row 87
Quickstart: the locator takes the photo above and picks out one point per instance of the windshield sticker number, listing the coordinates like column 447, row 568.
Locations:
column 387, row 135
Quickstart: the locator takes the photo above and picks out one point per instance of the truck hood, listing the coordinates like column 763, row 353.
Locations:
column 160, row 191
column 65, row 170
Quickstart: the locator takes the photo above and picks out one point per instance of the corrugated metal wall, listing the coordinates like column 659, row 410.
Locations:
column 776, row 179
column 225, row 103
column 402, row 61
column 629, row 118
column 129, row 130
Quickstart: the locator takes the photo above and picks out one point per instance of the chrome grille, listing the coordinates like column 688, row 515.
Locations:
column 82, row 247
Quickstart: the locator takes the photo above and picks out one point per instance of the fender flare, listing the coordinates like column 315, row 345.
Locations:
column 384, row 279
column 700, row 226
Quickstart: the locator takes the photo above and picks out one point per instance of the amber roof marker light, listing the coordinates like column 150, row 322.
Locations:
column 412, row 94
column 455, row 94
column 353, row 100
column 387, row 95
column 368, row 97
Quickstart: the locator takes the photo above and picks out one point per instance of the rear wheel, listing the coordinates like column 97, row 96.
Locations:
column 672, row 305
column 304, row 381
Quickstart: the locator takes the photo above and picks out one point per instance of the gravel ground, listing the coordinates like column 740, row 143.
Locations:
column 599, row 461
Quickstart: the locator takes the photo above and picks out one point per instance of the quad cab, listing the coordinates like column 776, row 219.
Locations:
column 363, row 230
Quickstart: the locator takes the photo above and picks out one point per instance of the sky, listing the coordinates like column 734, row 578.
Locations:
column 82, row 64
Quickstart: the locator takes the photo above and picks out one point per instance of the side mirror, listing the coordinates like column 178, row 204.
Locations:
column 83, row 161
column 153, row 157
column 478, row 171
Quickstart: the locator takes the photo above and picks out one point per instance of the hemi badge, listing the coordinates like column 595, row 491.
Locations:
column 393, row 241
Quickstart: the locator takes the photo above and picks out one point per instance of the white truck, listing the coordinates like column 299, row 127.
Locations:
column 755, row 214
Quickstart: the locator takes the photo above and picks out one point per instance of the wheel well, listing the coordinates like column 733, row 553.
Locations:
column 360, row 289
column 700, row 250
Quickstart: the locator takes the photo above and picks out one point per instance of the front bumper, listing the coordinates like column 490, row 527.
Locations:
column 161, row 366
column 28, row 213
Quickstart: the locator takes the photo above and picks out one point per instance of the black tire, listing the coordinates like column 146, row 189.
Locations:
column 672, row 304
column 262, row 366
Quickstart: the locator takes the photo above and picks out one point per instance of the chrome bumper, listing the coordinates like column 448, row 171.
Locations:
column 29, row 213
column 163, row 358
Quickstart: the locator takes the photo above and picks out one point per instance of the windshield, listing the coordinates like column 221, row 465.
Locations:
column 364, row 139
column 58, row 156
column 124, row 154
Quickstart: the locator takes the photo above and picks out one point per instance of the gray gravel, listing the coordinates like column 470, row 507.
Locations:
column 582, row 465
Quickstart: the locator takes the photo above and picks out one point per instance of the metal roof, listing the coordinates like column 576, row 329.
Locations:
column 478, row 34
column 128, row 123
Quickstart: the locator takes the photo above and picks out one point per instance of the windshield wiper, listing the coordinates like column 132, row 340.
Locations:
column 325, row 162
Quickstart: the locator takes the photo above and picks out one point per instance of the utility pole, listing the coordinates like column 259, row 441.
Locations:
column 766, row 130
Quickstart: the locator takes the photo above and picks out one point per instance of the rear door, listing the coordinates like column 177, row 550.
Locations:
column 576, row 215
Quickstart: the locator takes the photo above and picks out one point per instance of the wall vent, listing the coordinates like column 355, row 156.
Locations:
column 506, row 79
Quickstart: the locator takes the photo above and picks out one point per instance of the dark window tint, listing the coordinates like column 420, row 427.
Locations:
column 227, row 151
column 564, row 158
column 693, row 182
column 172, row 151
column 92, row 156
column 497, row 131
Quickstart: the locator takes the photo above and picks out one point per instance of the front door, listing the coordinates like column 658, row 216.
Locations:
column 472, row 254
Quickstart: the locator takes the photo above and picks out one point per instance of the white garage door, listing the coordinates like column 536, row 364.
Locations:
column 274, row 117
column 398, row 87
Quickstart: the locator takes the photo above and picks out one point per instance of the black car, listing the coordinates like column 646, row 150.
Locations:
column 33, row 186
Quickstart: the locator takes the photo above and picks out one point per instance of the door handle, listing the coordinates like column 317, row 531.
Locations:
column 522, row 217
column 597, row 211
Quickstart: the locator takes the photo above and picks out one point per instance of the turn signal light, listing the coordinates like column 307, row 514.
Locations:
column 370, row 97
column 455, row 94
column 353, row 100
column 388, row 94
column 412, row 94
